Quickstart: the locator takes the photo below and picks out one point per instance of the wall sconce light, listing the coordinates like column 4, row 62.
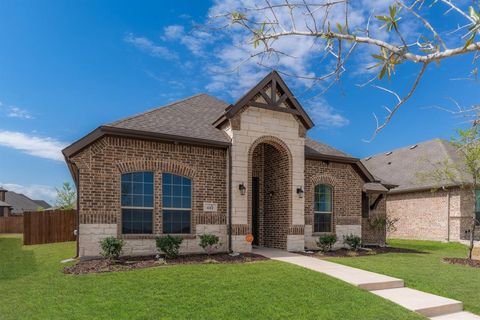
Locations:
column 242, row 188
column 300, row 192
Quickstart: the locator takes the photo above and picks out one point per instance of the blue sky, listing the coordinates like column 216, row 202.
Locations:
column 67, row 67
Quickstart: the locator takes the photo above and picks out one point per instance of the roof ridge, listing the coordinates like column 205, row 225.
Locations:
column 171, row 104
column 403, row 148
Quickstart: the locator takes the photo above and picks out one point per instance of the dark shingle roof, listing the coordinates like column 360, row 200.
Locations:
column 42, row 203
column 406, row 166
column 20, row 202
column 4, row 204
column 191, row 117
column 313, row 147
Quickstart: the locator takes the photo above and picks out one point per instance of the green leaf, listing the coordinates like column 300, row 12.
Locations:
column 382, row 72
column 469, row 41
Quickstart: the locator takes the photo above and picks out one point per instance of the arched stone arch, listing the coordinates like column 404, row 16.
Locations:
column 285, row 155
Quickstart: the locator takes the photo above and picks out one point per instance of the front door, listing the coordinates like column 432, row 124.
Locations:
column 255, row 205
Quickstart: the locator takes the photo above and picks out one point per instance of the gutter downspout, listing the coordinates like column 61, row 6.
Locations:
column 230, row 199
column 78, row 213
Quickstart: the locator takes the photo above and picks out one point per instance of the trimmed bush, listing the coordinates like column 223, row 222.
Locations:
column 353, row 241
column 111, row 248
column 326, row 242
column 169, row 245
column 209, row 243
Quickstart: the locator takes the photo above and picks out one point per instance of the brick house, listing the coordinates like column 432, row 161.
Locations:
column 426, row 209
column 200, row 165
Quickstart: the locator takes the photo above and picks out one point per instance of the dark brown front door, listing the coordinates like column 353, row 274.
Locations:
column 255, row 206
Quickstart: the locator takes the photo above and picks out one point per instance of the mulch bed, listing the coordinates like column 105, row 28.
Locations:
column 142, row 262
column 360, row 253
column 463, row 261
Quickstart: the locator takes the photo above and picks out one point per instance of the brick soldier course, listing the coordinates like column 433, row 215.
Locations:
column 219, row 149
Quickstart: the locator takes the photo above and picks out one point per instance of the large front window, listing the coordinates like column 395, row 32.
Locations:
column 137, row 203
column 322, row 208
column 177, row 203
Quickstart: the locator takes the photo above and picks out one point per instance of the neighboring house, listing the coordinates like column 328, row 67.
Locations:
column 12, row 203
column 200, row 165
column 5, row 208
column 426, row 208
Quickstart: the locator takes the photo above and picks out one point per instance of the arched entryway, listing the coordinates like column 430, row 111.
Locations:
column 270, row 192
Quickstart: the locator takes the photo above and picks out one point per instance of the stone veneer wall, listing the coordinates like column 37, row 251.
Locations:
column 101, row 165
column 249, row 128
column 347, row 198
column 423, row 215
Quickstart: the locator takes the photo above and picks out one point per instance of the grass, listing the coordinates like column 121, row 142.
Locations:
column 34, row 287
column 427, row 272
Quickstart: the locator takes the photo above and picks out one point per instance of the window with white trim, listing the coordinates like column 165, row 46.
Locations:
column 177, row 203
column 322, row 215
column 137, row 203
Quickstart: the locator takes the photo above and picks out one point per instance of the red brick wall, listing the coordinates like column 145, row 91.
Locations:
column 102, row 163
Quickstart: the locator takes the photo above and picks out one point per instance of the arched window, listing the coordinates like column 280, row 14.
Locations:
column 137, row 203
column 177, row 203
column 322, row 208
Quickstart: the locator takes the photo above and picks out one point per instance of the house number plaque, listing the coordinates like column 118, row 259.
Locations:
column 209, row 207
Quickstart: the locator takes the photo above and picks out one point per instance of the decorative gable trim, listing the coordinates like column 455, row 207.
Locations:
column 274, row 92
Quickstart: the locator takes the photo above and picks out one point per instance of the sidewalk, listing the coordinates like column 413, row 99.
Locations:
column 429, row 305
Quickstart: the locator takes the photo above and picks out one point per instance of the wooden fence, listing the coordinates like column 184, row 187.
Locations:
column 49, row 226
column 11, row 224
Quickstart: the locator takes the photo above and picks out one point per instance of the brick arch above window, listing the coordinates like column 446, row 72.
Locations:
column 174, row 167
column 322, row 179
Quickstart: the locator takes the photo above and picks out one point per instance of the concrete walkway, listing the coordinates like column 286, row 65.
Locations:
column 429, row 305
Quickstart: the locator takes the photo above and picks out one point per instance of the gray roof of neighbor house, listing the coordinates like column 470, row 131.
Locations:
column 4, row 204
column 42, row 203
column 20, row 202
column 411, row 168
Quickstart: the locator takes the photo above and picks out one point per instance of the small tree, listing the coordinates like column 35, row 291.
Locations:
column 465, row 171
column 66, row 197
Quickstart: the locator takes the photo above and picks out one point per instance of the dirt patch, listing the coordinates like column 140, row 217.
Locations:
column 369, row 251
column 142, row 262
column 463, row 261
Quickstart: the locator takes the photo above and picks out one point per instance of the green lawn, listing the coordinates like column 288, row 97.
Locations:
column 427, row 272
column 33, row 287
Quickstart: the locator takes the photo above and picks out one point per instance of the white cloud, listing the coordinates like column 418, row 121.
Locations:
column 148, row 46
column 33, row 191
column 173, row 32
column 324, row 115
column 195, row 41
column 15, row 112
column 47, row 148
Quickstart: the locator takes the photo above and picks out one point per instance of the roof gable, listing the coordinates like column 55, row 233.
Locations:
column 270, row 93
column 404, row 166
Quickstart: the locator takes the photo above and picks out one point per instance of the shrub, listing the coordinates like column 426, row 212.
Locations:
column 111, row 247
column 353, row 241
column 169, row 245
column 326, row 242
column 209, row 243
